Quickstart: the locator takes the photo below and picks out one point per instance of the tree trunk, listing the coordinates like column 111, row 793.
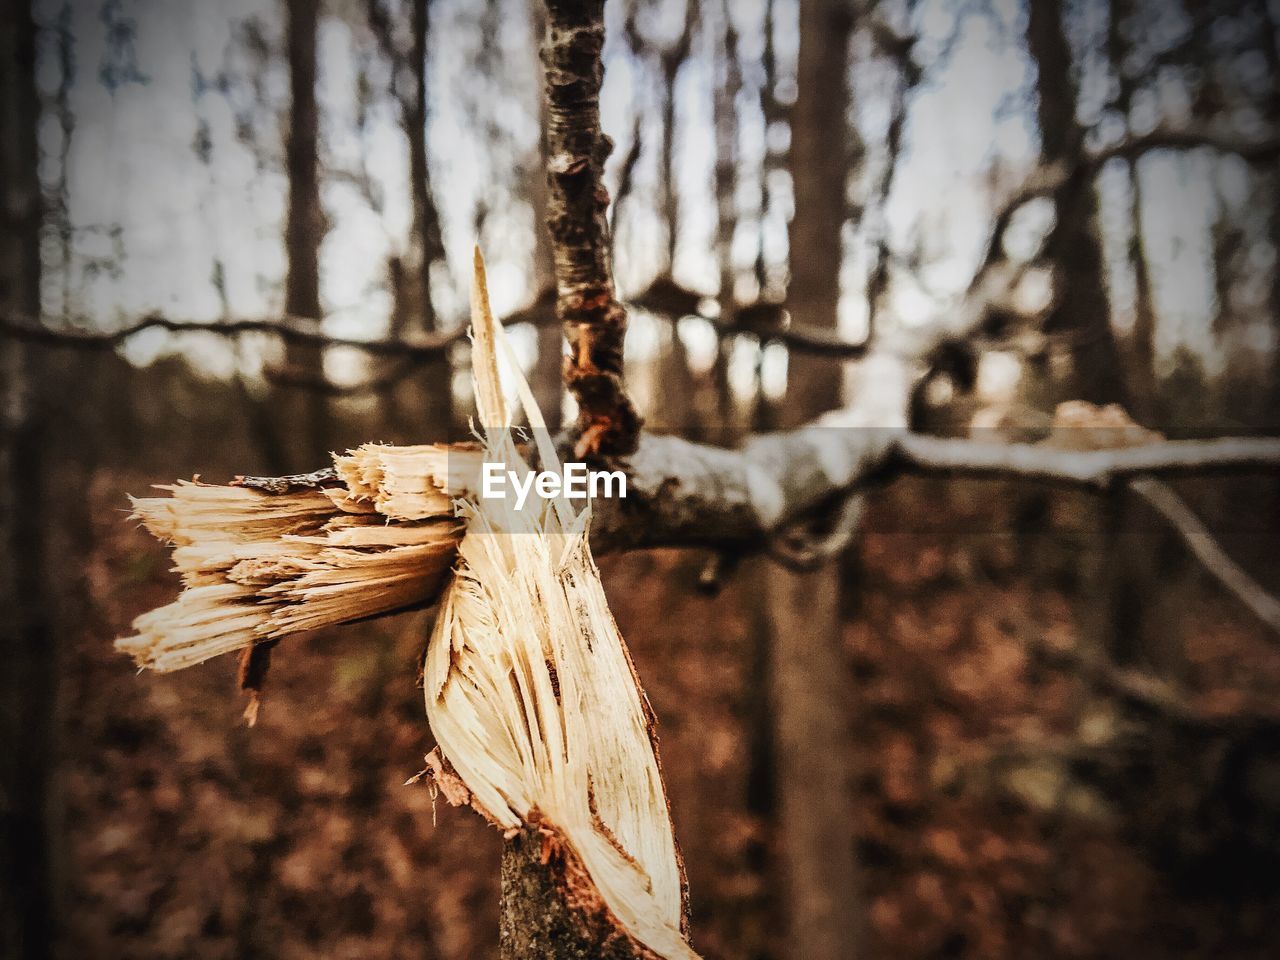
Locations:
column 808, row 677
column 1270, row 420
column 28, row 682
column 1146, row 397
column 305, row 412
column 1082, row 310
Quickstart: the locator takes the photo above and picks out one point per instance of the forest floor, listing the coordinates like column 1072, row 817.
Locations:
column 1004, row 810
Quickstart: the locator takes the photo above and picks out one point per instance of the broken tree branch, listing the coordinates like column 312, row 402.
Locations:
column 525, row 642
column 255, row 662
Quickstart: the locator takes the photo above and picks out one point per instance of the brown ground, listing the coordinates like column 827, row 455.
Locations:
column 189, row 836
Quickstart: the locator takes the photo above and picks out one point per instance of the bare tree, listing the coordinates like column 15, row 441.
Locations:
column 807, row 667
column 1143, row 393
column 28, row 687
column 305, row 227
column 1074, row 246
column 422, row 405
column 1271, row 51
column 547, row 383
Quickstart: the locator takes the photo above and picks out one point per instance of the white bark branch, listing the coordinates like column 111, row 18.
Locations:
column 688, row 494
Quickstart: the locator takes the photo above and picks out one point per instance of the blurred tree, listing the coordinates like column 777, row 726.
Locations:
column 29, row 625
column 418, row 408
column 728, row 85
column 546, row 381
column 1271, row 51
column 305, row 410
column 1142, row 378
column 1082, row 306
column 809, row 682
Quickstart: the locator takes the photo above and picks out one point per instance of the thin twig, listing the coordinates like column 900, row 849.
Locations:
column 1208, row 550
column 800, row 548
column 318, row 383
column 1047, row 179
column 423, row 347
column 664, row 296
column 1134, row 688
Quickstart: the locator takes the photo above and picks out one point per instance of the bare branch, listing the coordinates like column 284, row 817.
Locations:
column 1138, row 690
column 1249, row 149
column 1087, row 468
column 1047, row 179
column 318, row 383
column 766, row 320
column 688, row 494
column 897, row 47
column 288, row 329
column 1208, row 551
column 664, row 296
column 679, row 493
column 626, row 178
column 595, row 322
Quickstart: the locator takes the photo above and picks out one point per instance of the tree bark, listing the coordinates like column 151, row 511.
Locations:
column 595, row 322
column 28, row 682
column 426, row 246
column 540, row 920
column 306, row 412
column 1074, row 246
column 807, row 669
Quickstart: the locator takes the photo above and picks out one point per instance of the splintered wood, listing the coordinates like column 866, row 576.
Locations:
column 258, row 566
column 531, row 692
